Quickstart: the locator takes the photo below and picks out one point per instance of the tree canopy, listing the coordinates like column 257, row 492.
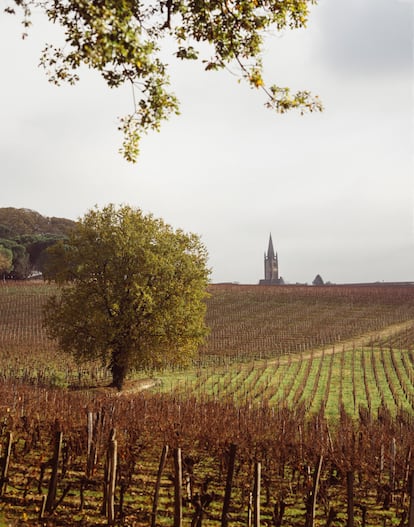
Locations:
column 132, row 292
column 22, row 222
column 122, row 39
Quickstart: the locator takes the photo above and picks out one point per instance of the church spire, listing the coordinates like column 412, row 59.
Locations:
column 271, row 266
column 270, row 250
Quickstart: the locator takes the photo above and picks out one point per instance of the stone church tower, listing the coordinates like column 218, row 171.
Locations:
column 271, row 266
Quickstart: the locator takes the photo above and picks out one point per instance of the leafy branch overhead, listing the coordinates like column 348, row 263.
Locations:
column 122, row 40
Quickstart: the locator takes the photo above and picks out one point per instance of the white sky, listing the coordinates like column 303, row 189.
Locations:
column 334, row 189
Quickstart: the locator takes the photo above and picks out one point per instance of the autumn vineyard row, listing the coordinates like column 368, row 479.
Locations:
column 293, row 383
column 376, row 453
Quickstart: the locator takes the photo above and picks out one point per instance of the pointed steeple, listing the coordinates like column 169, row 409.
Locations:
column 271, row 264
column 270, row 250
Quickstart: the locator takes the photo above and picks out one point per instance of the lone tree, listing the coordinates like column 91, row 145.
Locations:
column 123, row 39
column 132, row 292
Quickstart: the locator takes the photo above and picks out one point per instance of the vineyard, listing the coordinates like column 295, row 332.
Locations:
column 299, row 411
column 364, row 472
column 256, row 322
column 359, row 380
column 26, row 353
column 247, row 323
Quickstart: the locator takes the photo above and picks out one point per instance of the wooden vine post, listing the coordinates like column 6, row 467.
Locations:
column 350, row 498
column 406, row 485
column 311, row 507
column 256, row 494
column 112, row 465
column 381, row 464
column 249, row 510
column 229, row 482
column 51, row 493
column 315, row 489
column 392, row 469
column 90, row 453
column 161, row 467
column 5, row 464
column 178, row 482
column 411, row 509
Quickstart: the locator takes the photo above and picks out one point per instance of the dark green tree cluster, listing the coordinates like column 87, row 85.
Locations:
column 6, row 261
column 25, row 236
column 123, row 40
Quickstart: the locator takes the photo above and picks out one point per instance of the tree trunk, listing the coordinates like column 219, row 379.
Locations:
column 119, row 370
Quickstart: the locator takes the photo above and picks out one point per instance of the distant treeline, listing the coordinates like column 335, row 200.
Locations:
column 24, row 237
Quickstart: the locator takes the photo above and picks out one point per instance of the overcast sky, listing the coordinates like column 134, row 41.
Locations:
column 334, row 189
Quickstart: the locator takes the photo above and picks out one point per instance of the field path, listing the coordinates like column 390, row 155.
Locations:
column 131, row 386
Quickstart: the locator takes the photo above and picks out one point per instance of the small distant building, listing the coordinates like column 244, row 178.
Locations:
column 271, row 267
column 318, row 280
